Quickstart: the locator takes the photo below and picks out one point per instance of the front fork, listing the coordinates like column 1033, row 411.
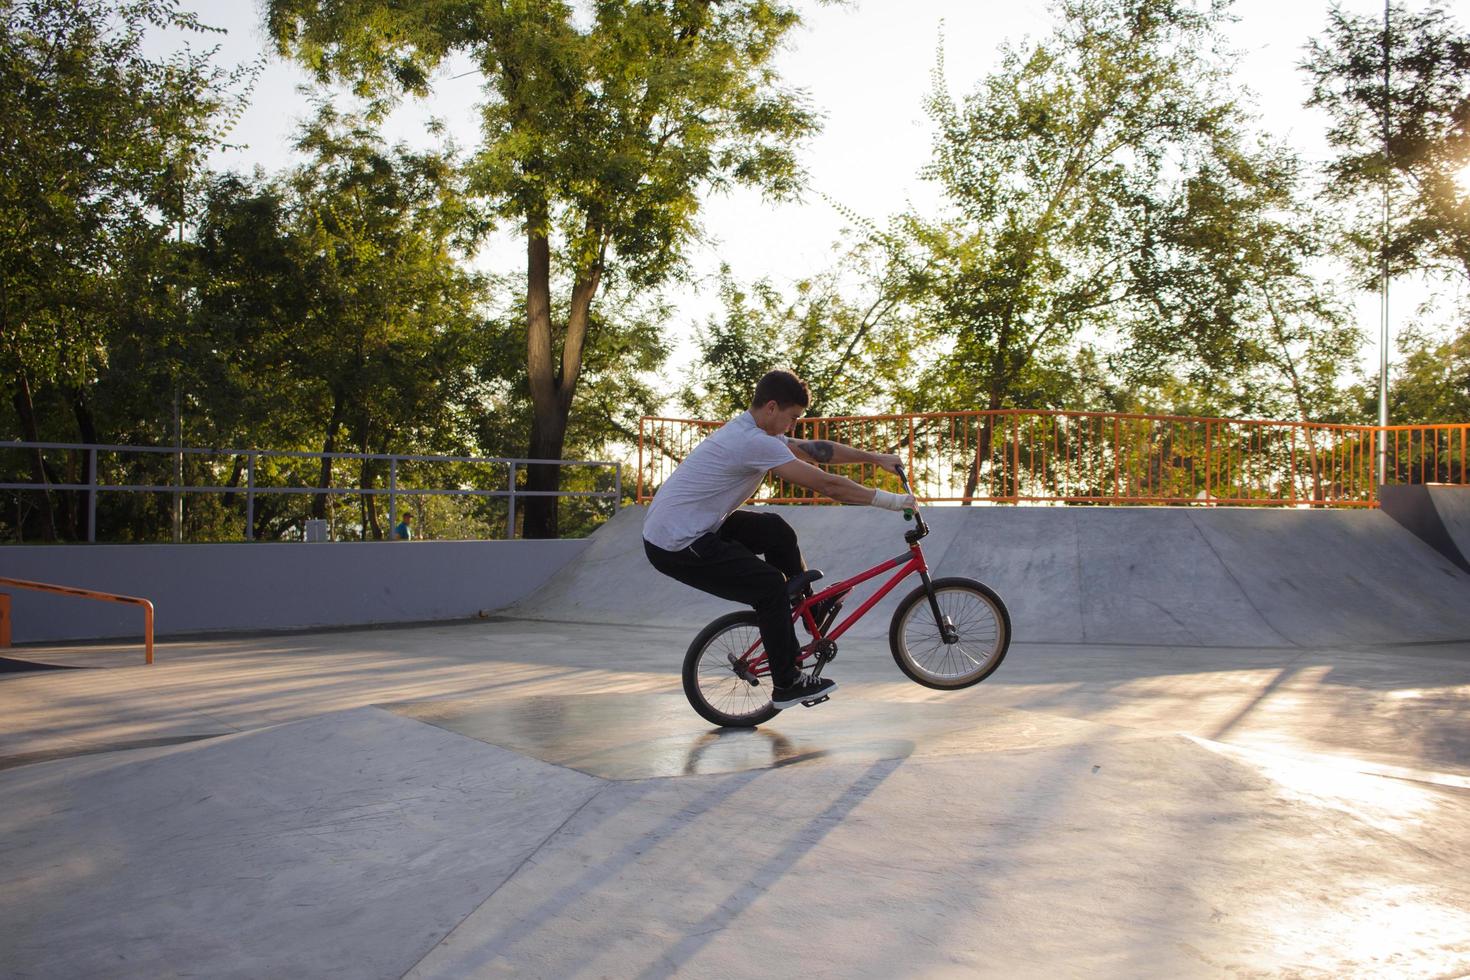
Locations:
column 947, row 632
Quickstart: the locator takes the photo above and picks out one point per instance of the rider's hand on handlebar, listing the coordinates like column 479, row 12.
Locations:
column 889, row 462
column 893, row 501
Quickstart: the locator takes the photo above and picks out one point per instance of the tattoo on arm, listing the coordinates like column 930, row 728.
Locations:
column 818, row 449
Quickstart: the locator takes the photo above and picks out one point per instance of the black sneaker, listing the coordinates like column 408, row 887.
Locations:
column 805, row 689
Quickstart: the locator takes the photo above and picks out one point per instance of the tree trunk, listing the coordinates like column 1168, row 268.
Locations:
column 552, row 386
column 25, row 410
column 236, row 471
column 87, row 426
column 982, row 448
column 324, row 480
column 369, row 500
column 1297, row 396
column 539, row 514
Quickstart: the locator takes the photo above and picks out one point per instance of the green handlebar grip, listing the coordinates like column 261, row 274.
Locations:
column 908, row 513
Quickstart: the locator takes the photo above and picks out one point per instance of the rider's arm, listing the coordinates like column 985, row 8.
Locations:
column 826, row 452
column 838, row 488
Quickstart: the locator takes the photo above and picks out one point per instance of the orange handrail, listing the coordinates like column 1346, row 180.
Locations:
column 1055, row 456
column 80, row 594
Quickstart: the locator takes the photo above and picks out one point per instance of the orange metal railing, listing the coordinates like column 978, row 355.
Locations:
column 1017, row 456
column 1427, row 453
column 81, row 594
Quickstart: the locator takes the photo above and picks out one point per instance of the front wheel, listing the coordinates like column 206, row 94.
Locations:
column 981, row 624
column 712, row 685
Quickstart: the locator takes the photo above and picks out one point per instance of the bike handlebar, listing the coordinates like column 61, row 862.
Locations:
column 911, row 514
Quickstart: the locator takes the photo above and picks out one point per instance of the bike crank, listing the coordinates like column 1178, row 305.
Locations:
column 825, row 651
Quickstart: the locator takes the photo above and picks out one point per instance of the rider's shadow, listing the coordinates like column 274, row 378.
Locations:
column 724, row 750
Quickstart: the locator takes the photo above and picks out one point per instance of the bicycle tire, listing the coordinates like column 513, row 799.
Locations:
column 712, row 686
column 978, row 614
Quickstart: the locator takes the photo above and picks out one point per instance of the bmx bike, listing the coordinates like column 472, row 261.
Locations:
column 947, row 634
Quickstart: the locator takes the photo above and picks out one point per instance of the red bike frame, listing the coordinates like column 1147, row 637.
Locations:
column 908, row 563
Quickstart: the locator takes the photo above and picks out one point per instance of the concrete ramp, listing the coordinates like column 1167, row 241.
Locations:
column 1439, row 514
column 1453, row 505
column 1143, row 575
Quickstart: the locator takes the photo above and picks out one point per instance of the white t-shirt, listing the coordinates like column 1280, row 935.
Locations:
column 712, row 482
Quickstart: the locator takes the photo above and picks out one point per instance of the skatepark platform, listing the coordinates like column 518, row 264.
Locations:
column 1224, row 744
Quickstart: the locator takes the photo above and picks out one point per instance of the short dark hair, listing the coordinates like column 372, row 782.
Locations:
column 782, row 387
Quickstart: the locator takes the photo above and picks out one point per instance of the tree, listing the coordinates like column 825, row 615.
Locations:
column 841, row 330
column 1433, row 377
column 1413, row 143
column 1233, row 274
column 329, row 310
column 376, row 235
column 600, row 133
column 1054, row 173
column 626, row 347
column 96, row 143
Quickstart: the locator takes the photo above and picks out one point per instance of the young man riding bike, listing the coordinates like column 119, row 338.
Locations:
column 695, row 532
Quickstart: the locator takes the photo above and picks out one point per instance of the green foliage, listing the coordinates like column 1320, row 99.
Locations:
column 97, row 142
column 1102, row 188
column 608, row 126
column 1240, row 309
column 376, row 238
column 627, row 345
column 1053, row 172
column 1422, row 161
column 841, row 331
column 1431, row 381
column 600, row 132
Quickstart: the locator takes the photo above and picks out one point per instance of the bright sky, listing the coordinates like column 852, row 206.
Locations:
column 867, row 68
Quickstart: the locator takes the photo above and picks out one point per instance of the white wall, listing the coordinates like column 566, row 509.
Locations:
column 267, row 586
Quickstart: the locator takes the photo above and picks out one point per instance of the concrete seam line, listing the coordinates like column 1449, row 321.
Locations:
column 1194, row 522
column 514, row 871
column 1081, row 578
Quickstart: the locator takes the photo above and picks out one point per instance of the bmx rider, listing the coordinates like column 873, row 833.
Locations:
column 695, row 532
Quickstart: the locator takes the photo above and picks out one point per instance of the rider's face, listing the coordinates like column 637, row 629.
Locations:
column 775, row 420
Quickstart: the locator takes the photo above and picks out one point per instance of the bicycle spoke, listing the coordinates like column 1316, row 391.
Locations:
column 976, row 627
column 720, row 686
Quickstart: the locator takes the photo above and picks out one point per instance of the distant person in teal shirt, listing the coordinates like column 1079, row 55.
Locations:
column 401, row 530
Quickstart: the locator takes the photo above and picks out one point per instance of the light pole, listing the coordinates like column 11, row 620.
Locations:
column 1383, row 338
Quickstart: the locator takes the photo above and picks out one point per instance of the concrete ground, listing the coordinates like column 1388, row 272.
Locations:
column 528, row 798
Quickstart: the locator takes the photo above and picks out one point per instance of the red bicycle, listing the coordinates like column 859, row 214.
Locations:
column 948, row 633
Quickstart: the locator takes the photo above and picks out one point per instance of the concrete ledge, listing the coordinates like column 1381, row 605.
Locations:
column 231, row 587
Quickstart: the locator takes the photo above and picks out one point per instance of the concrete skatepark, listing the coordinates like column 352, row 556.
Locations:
column 1226, row 742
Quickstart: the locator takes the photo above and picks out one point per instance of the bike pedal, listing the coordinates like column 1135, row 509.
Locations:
column 816, row 701
column 741, row 671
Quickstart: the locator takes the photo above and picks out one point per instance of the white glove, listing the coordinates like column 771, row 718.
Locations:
column 894, row 501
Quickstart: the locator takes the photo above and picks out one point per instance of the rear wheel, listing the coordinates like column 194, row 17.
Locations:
column 981, row 624
column 711, row 683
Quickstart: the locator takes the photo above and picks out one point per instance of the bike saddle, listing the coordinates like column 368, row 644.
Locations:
column 796, row 586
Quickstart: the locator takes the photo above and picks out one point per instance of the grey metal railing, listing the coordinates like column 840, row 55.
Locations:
column 92, row 487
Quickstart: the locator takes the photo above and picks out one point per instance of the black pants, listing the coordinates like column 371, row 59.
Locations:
column 724, row 563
